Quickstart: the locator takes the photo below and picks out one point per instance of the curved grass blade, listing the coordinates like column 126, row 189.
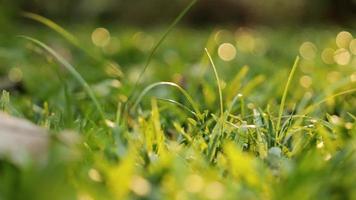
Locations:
column 179, row 105
column 313, row 106
column 218, row 83
column 185, row 93
column 160, row 41
column 61, row 31
column 68, row 36
column 219, row 127
column 283, row 101
column 72, row 71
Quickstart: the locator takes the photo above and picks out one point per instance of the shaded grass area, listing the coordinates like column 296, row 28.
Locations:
column 197, row 127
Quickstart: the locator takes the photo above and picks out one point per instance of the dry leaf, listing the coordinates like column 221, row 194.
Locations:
column 22, row 141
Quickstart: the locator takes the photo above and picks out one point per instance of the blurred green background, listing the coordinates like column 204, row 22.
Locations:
column 152, row 12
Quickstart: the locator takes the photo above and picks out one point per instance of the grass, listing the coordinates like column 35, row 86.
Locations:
column 180, row 137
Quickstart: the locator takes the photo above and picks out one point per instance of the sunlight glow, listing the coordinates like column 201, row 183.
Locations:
column 100, row 37
column 246, row 41
column 353, row 77
column 214, row 190
column 353, row 46
column 194, row 183
column 328, row 55
column 227, row 51
column 342, row 57
column 140, row 186
column 306, row 81
column 343, row 39
column 94, row 175
column 308, row 50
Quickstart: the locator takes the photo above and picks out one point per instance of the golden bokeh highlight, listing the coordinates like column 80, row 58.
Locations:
column 194, row 183
column 15, row 74
column 342, row 57
column 308, row 50
column 143, row 41
column 140, row 186
column 343, row 39
column 353, row 77
column 349, row 125
column 353, row 46
column 100, row 37
column 328, row 55
column 227, row 52
column 94, row 175
column 214, row 190
column 245, row 40
column 84, row 196
column 306, row 81
column 222, row 36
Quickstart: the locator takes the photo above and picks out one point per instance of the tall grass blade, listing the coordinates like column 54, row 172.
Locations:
column 283, row 101
column 217, row 81
column 179, row 105
column 219, row 128
column 51, row 24
column 61, row 31
column 185, row 93
column 72, row 71
column 160, row 41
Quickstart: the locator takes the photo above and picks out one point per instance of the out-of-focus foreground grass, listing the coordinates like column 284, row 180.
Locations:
column 184, row 142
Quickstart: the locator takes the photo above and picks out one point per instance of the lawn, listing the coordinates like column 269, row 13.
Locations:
column 218, row 113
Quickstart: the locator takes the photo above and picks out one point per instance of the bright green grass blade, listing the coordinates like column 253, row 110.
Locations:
column 352, row 116
column 71, row 38
column 61, row 31
column 158, row 44
column 313, row 106
column 219, row 128
column 179, row 105
column 72, row 71
column 283, row 101
column 218, row 83
column 184, row 92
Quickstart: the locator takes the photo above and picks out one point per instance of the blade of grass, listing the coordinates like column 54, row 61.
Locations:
column 217, row 81
column 313, row 106
column 179, row 105
column 185, row 93
column 219, row 129
column 72, row 71
column 61, row 31
column 283, row 101
column 158, row 44
column 68, row 36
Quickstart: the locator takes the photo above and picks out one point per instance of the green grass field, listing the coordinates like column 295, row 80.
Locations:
column 262, row 113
